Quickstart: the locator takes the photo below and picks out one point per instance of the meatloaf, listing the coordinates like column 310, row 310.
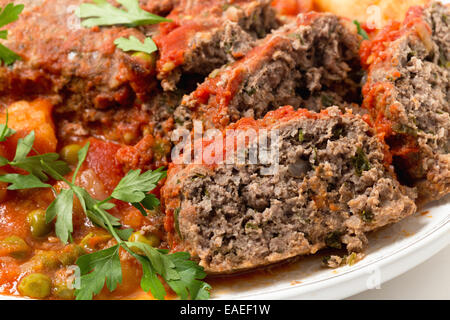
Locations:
column 205, row 35
column 312, row 62
column 81, row 66
column 331, row 187
column 408, row 95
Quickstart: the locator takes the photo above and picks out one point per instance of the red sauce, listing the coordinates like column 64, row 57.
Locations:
column 188, row 18
column 174, row 41
column 374, row 51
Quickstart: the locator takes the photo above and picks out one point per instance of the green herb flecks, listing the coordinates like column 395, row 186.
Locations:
column 333, row 240
column 327, row 101
column 360, row 162
column 301, row 137
column 367, row 215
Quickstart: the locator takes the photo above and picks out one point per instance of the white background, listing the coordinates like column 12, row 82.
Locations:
column 430, row 280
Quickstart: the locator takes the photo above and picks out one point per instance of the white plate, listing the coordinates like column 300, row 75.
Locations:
column 392, row 251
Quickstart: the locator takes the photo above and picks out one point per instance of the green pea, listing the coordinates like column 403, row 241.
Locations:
column 70, row 254
column 45, row 260
column 70, row 153
column 150, row 239
column 38, row 226
column 62, row 291
column 145, row 57
column 35, row 285
column 17, row 247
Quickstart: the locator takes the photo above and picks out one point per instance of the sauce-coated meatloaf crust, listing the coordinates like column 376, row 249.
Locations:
column 82, row 66
column 204, row 35
column 333, row 185
column 408, row 95
column 312, row 62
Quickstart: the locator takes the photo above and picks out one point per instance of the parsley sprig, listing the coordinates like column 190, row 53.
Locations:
column 8, row 14
column 40, row 166
column 181, row 274
column 102, row 13
column 360, row 30
column 133, row 44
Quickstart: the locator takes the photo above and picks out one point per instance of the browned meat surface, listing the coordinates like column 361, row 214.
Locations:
column 408, row 95
column 205, row 35
column 331, row 187
column 312, row 62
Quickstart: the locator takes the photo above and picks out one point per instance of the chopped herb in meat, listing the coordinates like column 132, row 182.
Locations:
column 360, row 162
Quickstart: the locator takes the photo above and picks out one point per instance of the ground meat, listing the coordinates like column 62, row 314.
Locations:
column 221, row 32
column 331, row 187
column 408, row 95
column 312, row 62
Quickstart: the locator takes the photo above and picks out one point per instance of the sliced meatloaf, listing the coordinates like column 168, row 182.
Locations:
column 81, row 66
column 205, row 35
column 312, row 62
column 331, row 187
column 408, row 95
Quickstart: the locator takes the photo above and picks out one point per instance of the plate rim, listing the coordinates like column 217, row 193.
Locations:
column 354, row 281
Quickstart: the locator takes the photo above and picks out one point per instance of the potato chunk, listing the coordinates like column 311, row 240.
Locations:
column 25, row 117
column 366, row 10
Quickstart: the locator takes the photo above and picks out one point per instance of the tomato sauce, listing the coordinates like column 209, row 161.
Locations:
column 376, row 53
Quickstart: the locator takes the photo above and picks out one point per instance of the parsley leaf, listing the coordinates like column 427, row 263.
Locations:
column 95, row 269
column 133, row 44
column 39, row 165
column 19, row 182
column 102, row 13
column 62, row 208
column 82, row 153
column 179, row 272
column 8, row 56
column 5, row 132
column 134, row 188
column 8, row 14
column 361, row 31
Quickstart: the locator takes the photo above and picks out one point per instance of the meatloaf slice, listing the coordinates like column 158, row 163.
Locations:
column 331, row 187
column 408, row 95
column 81, row 66
column 312, row 62
column 205, row 35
